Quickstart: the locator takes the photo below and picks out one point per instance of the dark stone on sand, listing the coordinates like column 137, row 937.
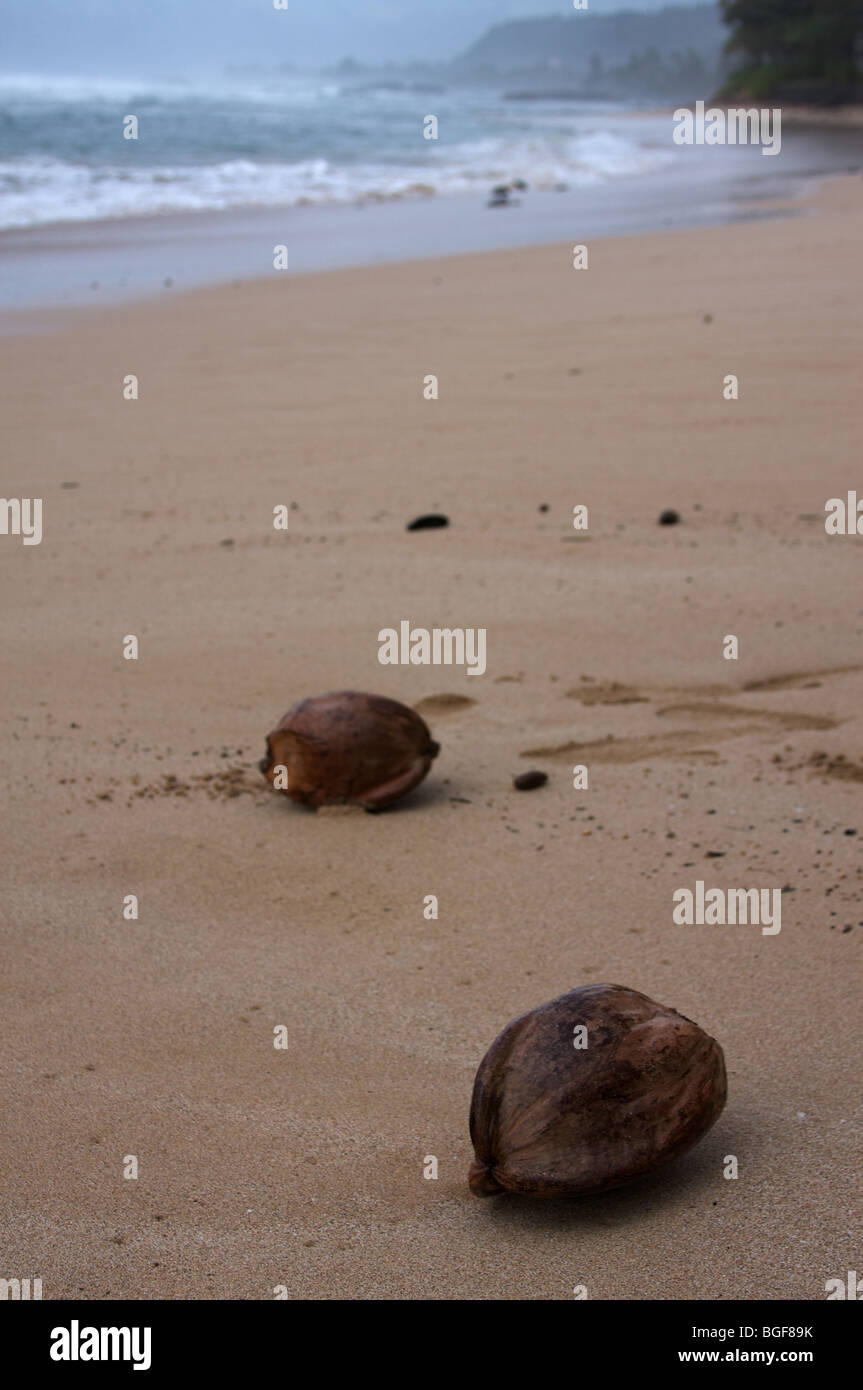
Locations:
column 431, row 521
column 529, row 781
column 544, row 507
column 669, row 518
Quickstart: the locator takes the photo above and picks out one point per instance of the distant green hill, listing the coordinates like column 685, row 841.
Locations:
column 571, row 41
column 676, row 51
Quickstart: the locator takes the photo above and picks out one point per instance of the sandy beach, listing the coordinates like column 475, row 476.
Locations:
column 153, row 1038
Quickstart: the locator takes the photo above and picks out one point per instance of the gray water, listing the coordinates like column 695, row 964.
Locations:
column 282, row 141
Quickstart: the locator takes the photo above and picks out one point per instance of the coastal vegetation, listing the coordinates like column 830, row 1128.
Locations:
column 809, row 51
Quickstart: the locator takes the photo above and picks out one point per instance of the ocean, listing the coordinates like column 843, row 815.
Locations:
column 288, row 142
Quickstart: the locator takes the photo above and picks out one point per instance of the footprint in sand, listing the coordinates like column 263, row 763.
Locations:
column 837, row 767
column 682, row 743
column 439, row 705
column 820, row 764
column 631, row 750
column 758, row 718
column 717, row 721
column 592, row 692
column 606, row 693
column 799, row 680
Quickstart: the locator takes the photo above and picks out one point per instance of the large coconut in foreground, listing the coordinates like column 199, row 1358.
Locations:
column 590, row 1091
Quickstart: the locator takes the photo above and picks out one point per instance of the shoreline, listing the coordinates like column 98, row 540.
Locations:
column 813, row 117
column 80, row 263
column 810, row 195
column 49, row 317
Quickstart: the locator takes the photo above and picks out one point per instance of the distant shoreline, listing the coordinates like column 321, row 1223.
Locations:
column 848, row 117
column 844, row 117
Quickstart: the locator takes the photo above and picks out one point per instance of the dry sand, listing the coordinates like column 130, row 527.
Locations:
column 154, row 1037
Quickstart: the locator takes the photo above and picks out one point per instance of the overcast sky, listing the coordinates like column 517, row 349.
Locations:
column 153, row 37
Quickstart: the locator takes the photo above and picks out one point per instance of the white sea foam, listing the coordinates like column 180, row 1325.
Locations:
column 90, row 91
column 280, row 140
column 35, row 190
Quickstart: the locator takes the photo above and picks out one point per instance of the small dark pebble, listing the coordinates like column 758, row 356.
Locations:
column 850, row 832
column 715, row 854
column 669, row 518
column 228, row 541
column 528, row 781
column 543, row 507
column 430, row 522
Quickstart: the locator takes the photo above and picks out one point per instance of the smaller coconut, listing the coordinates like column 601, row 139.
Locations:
column 590, row 1091
column 348, row 747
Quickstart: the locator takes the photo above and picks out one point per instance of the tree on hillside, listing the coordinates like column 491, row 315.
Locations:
column 796, row 41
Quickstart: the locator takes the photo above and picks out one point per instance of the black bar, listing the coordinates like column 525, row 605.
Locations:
column 211, row 1337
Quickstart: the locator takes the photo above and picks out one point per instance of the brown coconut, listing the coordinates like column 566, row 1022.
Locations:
column 349, row 747
column 549, row 1118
